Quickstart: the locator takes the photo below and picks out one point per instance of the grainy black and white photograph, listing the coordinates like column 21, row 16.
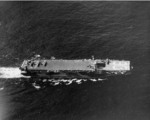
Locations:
column 74, row 60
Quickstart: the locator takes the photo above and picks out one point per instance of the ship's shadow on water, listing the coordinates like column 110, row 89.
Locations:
column 117, row 98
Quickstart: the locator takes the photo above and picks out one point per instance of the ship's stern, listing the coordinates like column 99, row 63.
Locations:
column 23, row 67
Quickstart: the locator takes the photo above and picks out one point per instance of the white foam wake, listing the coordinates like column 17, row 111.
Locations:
column 38, row 85
column 10, row 72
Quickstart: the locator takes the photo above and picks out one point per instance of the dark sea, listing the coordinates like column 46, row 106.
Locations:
column 75, row 30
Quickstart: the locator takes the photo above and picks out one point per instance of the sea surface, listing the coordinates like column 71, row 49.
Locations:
column 117, row 97
column 75, row 30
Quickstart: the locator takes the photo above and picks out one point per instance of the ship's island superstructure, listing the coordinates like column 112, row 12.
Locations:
column 80, row 68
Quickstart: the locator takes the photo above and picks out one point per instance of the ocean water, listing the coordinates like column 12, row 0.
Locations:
column 117, row 97
column 75, row 30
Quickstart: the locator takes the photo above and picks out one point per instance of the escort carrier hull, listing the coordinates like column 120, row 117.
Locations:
column 81, row 68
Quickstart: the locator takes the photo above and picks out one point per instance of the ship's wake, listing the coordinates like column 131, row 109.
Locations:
column 10, row 72
column 42, row 83
column 37, row 83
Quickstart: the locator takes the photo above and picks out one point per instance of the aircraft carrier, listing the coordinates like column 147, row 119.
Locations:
column 80, row 68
